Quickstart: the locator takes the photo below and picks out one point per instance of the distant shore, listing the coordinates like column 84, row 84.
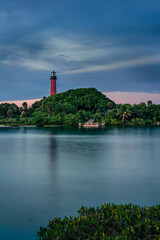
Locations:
column 9, row 126
column 90, row 127
column 87, row 107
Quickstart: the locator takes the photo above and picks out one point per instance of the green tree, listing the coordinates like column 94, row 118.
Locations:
column 149, row 103
column 23, row 114
column 25, row 106
column 70, row 120
column 10, row 113
column 123, row 114
column 49, row 108
column 98, row 117
column 110, row 105
column 31, row 110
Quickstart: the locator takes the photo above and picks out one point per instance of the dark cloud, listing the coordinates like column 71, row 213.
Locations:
column 37, row 36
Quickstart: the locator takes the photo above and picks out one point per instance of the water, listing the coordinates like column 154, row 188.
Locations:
column 48, row 172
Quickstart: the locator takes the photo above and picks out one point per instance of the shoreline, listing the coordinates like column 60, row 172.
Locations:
column 10, row 126
column 83, row 127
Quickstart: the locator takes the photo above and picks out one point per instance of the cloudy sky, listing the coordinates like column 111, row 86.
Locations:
column 112, row 45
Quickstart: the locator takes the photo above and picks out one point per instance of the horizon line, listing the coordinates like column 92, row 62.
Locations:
column 120, row 97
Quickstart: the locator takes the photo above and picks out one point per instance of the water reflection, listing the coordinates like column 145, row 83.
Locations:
column 48, row 172
column 52, row 148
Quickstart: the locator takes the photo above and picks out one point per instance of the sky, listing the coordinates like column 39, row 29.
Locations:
column 111, row 45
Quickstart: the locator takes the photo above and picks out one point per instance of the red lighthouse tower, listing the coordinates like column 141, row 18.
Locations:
column 53, row 83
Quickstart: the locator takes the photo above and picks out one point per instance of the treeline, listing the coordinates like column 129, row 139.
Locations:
column 137, row 114
column 79, row 105
column 11, row 114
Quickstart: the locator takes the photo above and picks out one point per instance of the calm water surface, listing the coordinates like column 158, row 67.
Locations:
column 52, row 172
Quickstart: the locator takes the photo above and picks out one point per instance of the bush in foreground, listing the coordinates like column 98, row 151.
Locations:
column 109, row 221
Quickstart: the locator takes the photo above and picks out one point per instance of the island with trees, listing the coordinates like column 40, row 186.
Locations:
column 78, row 106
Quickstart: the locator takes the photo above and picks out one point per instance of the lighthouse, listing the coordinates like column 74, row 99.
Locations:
column 53, row 83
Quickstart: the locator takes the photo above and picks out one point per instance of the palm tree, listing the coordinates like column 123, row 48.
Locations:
column 23, row 114
column 123, row 114
column 10, row 113
column 25, row 105
column 49, row 107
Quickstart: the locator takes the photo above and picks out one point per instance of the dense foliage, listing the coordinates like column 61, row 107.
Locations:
column 109, row 221
column 79, row 105
column 11, row 114
column 138, row 114
column 67, row 108
column 74, row 106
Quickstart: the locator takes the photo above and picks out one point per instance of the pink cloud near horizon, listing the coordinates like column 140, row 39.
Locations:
column 117, row 97
column 133, row 97
column 19, row 102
